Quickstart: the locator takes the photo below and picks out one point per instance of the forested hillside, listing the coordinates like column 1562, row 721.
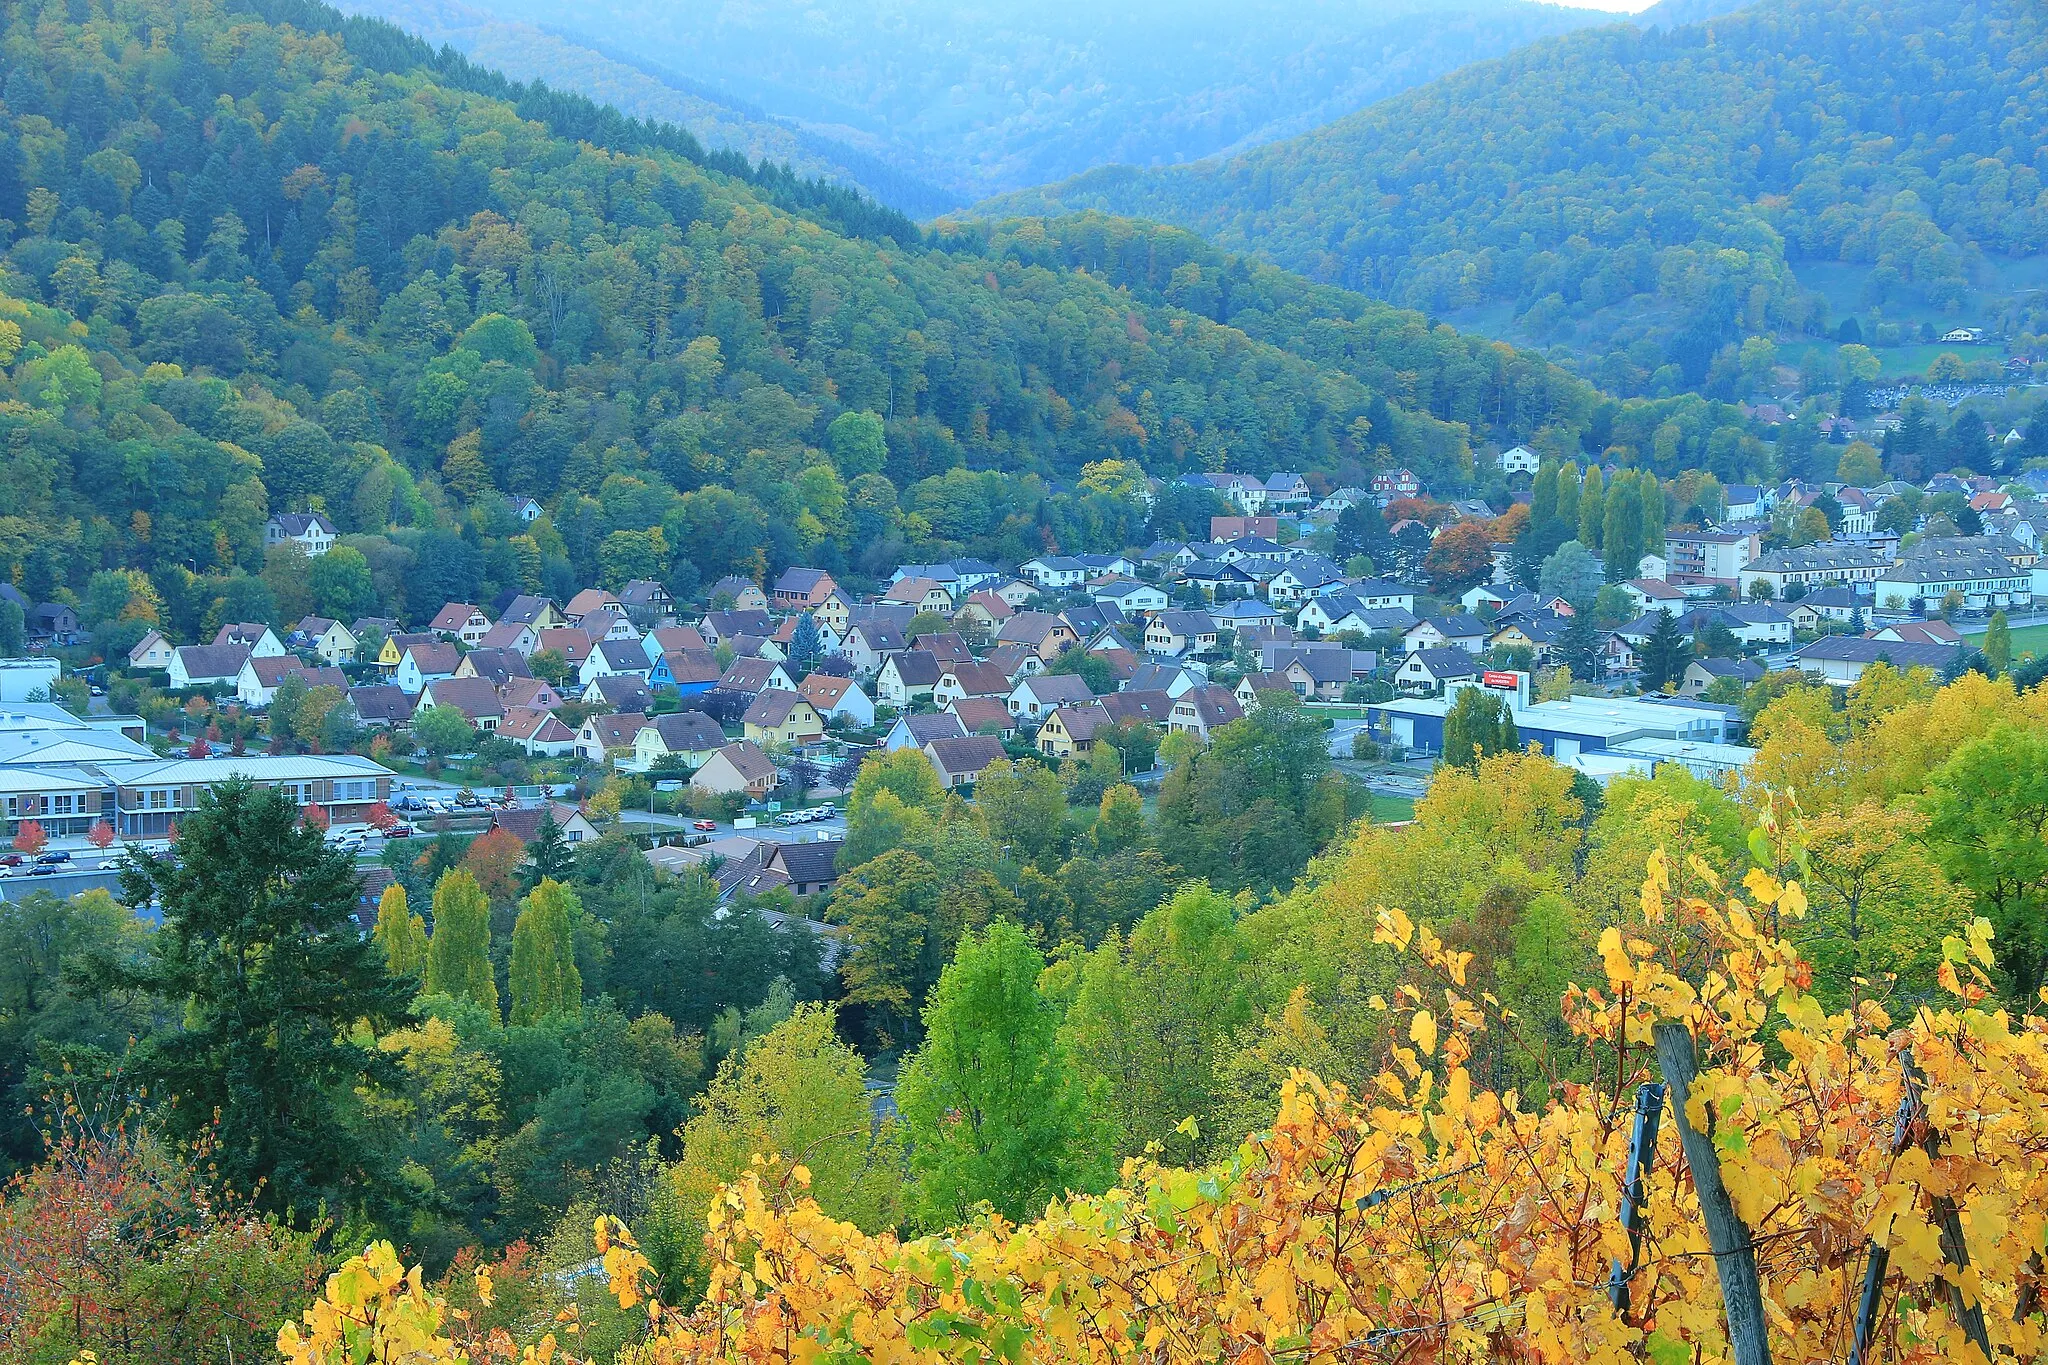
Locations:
column 613, row 73
column 1641, row 195
column 987, row 97
column 260, row 267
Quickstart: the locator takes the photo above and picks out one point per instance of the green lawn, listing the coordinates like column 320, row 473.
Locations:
column 2026, row 640
column 1388, row 809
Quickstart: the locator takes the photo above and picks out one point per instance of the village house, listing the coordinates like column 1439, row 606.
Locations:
column 259, row 639
column 1054, row 572
column 1425, row 671
column 1046, row 635
column 618, row 692
column 782, row 717
column 152, row 651
column 540, row 733
column 461, row 621
column 905, row 677
column 737, row 768
column 646, row 602
column 201, row 667
column 1176, row 633
column 721, row 627
column 742, row 594
column 916, row 731
column 800, row 589
column 680, row 738
column 524, row 824
column 614, row 658
column 1036, row 697
column 380, row 705
column 604, row 737
column 475, row 698
column 960, row 762
column 1200, row 710
column 529, row 610
column 984, row 715
column 313, row 533
column 838, row 699
column 958, row 680
column 752, row 677
column 537, row 693
column 921, row 594
column 256, row 683
column 421, row 664
column 514, row 636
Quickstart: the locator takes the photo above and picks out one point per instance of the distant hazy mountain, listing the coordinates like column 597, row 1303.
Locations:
column 991, row 96
column 643, row 88
column 1640, row 194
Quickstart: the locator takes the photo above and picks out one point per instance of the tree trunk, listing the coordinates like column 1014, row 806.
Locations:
column 1734, row 1258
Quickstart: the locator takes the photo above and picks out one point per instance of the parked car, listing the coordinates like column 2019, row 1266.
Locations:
column 42, row 870
column 400, row 830
column 792, row 817
column 467, row 798
column 54, row 856
column 12, row 860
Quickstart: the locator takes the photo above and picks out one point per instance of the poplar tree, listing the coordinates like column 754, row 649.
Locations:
column 1592, row 508
column 1998, row 643
column 459, row 954
column 545, row 980
column 1568, row 498
column 400, row 933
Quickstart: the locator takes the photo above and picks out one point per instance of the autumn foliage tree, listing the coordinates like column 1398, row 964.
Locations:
column 1806, row 1152
column 29, row 837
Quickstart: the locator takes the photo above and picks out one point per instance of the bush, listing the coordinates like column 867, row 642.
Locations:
column 1365, row 748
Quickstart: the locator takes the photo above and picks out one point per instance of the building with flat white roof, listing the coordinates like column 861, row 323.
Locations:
column 1577, row 725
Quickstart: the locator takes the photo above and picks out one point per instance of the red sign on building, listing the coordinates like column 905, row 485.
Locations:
column 1507, row 682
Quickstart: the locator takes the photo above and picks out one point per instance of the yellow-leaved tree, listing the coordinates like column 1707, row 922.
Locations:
column 1803, row 1153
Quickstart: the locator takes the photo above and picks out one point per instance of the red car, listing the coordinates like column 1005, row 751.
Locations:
column 11, row 860
column 706, row 825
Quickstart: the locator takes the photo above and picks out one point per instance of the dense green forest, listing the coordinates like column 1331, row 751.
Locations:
column 982, row 98
column 1641, row 195
column 255, row 267
column 615, row 74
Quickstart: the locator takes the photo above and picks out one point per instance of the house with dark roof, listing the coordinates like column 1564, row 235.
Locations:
column 497, row 666
column 916, row 731
column 619, row 692
column 688, row 738
column 960, row 762
column 743, row 593
column 196, row 667
column 1701, row 674
column 421, row 664
column 800, row 589
column 1425, row 671
column 1841, row 659
column 473, row 697
column 984, row 715
column 603, row 737
column 381, row 704
column 810, row 867
column 1043, row 633
column 646, row 601
column 719, row 627
column 311, row 532
column 1200, row 710
column 907, row 676
column 615, row 657
column 1037, row 696
column 752, row 677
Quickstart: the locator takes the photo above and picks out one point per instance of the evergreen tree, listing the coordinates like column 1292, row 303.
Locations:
column 805, row 645
column 549, row 856
column 13, row 629
column 459, row 954
column 260, row 949
column 1664, row 654
column 400, row 934
column 1579, row 647
column 1997, row 645
column 544, row 976
column 990, row 1103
